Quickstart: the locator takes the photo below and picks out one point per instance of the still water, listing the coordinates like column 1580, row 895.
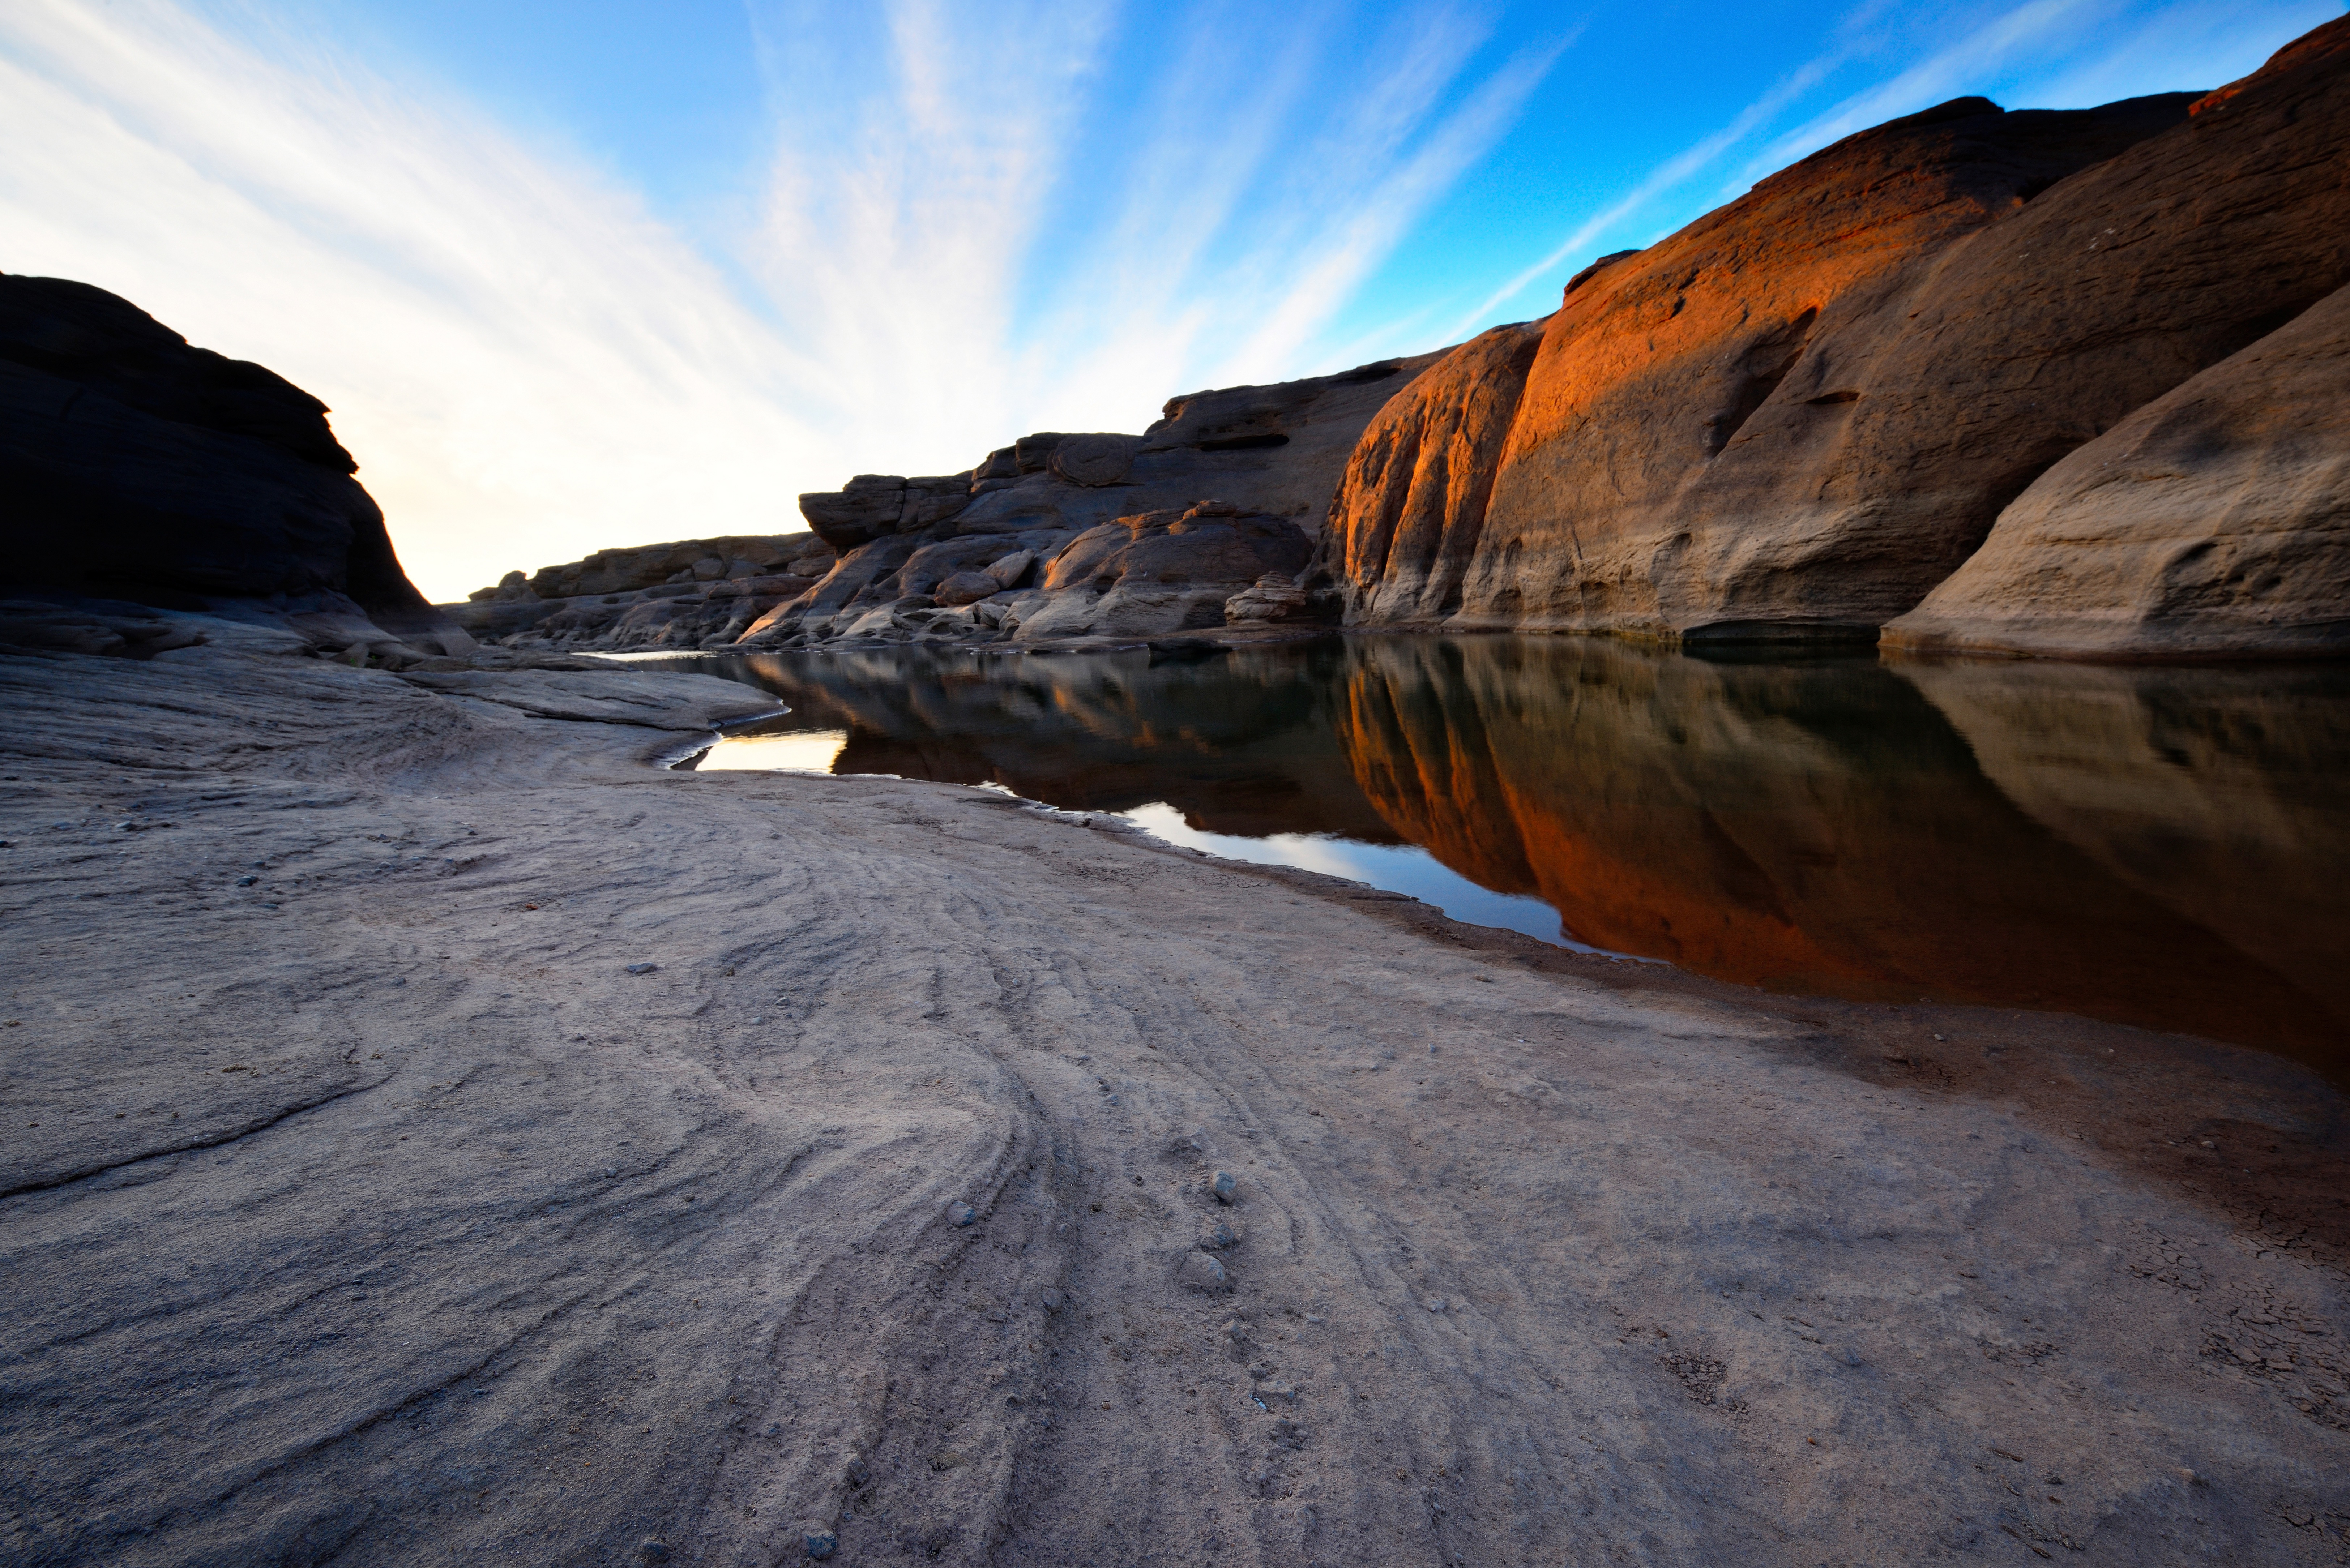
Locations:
column 2167, row 847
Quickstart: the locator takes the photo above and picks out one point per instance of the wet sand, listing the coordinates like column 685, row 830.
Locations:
column 375, row 1211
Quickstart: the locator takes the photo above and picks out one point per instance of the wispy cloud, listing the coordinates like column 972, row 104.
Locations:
column 952, row 247
column 1673, row 172
column 526, row 365
column 1967, row 66
column 2039, row 52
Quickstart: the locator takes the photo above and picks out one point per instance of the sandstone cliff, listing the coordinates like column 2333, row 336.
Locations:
column 141, row 471
column 1797, row 416
column 2214, row 519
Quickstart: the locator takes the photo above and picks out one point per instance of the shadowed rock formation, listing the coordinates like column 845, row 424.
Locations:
column 2214, row 519
column 1160, row 572
column 682, row 595
column 1270, row 458
column 141, row 471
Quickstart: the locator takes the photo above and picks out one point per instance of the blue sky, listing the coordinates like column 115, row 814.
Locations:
column 593, row 274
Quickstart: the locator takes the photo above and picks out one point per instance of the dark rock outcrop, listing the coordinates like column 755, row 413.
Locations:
column 689, row 594
column 1254, row 468
column 143, row 471
column 1160, row 572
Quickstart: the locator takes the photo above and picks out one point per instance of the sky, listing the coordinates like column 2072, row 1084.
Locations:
column 589, row 273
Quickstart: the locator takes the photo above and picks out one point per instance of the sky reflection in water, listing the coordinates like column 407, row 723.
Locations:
column 2166, row 847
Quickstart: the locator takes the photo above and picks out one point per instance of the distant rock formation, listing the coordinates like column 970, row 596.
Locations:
column 141, row 473
column 1117, row 535
column 687, row 595
column 1798, row 415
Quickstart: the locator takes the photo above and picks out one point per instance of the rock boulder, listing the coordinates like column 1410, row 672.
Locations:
column 2215, row 520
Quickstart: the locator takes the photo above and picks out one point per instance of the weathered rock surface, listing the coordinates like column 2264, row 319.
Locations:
column 549, row 1155
column 690, row 594
column 1273, row 454
column 1797, row 416
column 1161, row 572
column 139, row 469
column 1701, row 446
column 1408, row 517
column 2215, row 520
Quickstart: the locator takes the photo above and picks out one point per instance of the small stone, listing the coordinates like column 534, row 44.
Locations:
column 860, row 1472
column 246, row 881
column 1217, row 1237
column 652, row 1549
column 962, row 1214
column 1225, row 1186
column 822, row 1544
column 642, row 968
column 1201, row 1272
column 1051, row 1300
column 756, row 1021
column 946, row 1460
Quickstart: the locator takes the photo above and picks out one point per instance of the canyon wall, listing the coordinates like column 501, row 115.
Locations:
column 1799, row 415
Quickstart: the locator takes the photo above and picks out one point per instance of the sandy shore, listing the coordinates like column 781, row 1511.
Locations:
column 361, row 1205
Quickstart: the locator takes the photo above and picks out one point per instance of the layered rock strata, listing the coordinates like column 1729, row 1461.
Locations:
column 141, row 473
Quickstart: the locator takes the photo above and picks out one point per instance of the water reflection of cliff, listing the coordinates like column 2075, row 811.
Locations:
column 2165, row 847
column 1825, row 826
column 1241, row 743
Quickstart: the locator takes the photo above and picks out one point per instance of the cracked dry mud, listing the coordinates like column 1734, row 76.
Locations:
column 372, row 1211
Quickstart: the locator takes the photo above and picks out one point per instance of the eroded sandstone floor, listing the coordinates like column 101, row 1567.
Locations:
column 359, row 1204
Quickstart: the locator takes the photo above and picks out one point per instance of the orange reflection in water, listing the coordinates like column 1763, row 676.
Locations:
column 1830, row 827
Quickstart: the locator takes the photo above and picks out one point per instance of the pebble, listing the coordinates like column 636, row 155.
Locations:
column 1051, row 1300
column 1201, row 1272
column 642, row 968
column 822, row 1544
column 652, row 1549
column 246, row 881
column 1225, row 1186
column 962, row 1214
column 1217, row 1237
column 757, row 1021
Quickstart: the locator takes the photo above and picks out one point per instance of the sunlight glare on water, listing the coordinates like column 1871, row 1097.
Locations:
column 806, row 752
